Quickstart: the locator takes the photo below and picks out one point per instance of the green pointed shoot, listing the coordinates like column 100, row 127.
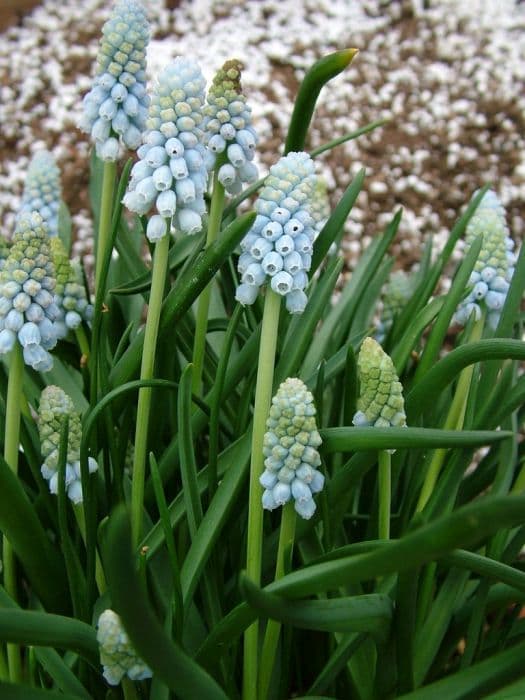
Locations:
column 319, row 74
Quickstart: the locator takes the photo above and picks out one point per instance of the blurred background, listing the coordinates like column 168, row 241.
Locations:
column 448, row 75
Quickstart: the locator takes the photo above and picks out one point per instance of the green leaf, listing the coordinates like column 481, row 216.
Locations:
column 347, row 137
column 64, row 226
column 348, row 439
column 183, row 294
column 319, row 74
column 478, row 680
column 166, row 659
column 334, row 225
column 20, row 525
column 44, row 629
column 8, row 691
column 365, row 613
column 424, row 393
column 188, row 465
column 407, row 343
column 62, row 675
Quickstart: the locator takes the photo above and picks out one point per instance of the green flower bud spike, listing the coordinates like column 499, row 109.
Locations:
column 381, row 405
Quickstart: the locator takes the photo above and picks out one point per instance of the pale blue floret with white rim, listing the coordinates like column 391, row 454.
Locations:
column 117, row 655
column 492, row 274
column 54, row 406
column 278, row 247
column 42, row 190
column 171, row 175
column 115, row 109
column 290, row 450
column 28, row 311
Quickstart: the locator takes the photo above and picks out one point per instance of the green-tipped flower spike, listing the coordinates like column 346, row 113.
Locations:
column 42, row 190
column 290, row 448
column 320, row 205
column 70, row 292
column 278, row 248
column 171, row 173
column 27, row 283
column 116, row 653
column 228, row 129
column 55, row 404
column 380, row 401
column 116, row 107
column 396, row 292
column 490, row 279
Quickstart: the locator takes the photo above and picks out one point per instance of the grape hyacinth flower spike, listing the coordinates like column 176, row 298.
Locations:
column 42, row 190
column 70, row 292
column 27, row 282
column 228, row 129
column 490, row 279
column 278, row 248
column 117, row 655
column 290, row 449
column 380, row 401
column 115, row 109
column 55, row 404
column 396, row 293
column 171, row 173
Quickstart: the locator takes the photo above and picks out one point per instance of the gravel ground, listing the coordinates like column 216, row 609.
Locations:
column 448, row 75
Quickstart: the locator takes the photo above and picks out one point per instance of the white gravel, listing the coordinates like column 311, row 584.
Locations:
column 450, row 79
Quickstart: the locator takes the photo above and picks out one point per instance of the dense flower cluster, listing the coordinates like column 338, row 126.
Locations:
column 396, row 292
column 70, row 292
column 42, row 190
column 55, row 404
column 290, row 448
column 380, row 401
column 320, row 205
column 27, row 282
column 117, row 104
column 4, row 251
column 116, row 653
column 490, row 279
column 171, row 172
column 278, row 248
column 228, row 129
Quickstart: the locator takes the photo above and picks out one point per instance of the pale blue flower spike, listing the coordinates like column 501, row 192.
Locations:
column 492, row 274
column 54, row 405
column 171, row 174
column 115, row 109
column 27, row 283
column 290, row 449
column 42, row 190
column 117, row 655
column 277, row 249
column 228, row 129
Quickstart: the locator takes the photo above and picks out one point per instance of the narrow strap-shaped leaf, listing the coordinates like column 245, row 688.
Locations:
column 184, row 292
column 62, row 675
column 188, row 465
column 336, row 221
column 365, row 613
column 318, row 75
column 424, row 393
column 329, row 145
column 336, row 663
column 348, row 439
column 42, row 562
column 457, row 290
column 166, row 659
column 478, row 680
column 9, row 691
column 45, row 629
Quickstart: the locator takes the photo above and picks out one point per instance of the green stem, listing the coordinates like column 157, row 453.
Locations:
column 158, row 281
column 106, row 210
column 263, row 397
column 454, row 421
column 273, row 628
column 130, row 692
column 80, row 517
column 385, row 493
column 201, row 322
column 11, row 449
column 83, row 344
